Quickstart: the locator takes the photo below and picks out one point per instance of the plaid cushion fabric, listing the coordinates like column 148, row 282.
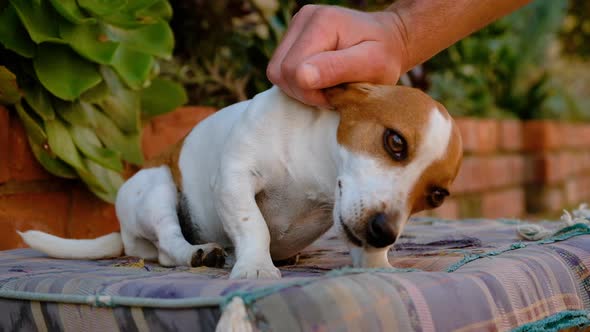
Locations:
column 468, row 275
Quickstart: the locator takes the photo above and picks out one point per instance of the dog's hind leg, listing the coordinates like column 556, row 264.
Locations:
column 174, row 250
column 158, row 220
column 138, row 247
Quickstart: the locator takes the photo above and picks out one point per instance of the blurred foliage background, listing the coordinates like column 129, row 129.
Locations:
column 534, row 63
column 82, row 75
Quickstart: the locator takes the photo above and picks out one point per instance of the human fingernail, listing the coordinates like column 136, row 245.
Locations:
column 311, row 75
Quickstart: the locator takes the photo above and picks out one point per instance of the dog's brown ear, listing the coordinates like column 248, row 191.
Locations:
column 346, row 94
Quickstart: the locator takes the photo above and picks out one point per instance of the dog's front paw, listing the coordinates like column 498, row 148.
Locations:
column 255, row 271
column 210, row 255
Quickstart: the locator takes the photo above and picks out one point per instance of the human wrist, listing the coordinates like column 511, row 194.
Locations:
column 397, row 38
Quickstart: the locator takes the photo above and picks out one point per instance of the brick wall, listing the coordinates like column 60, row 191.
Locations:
column 516, row 169
column 31, row 198
column 510, row 169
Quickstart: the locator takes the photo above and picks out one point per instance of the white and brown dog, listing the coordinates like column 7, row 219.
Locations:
column 270, row 175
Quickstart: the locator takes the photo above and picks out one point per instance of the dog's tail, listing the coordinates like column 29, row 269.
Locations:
column 105, row 246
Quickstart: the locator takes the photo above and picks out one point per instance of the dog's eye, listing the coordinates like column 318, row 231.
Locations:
column 437, row 197
column 395, row 145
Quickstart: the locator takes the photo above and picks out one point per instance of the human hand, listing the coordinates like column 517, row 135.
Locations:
column 327, row 45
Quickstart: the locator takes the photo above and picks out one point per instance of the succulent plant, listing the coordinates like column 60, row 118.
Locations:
column 80, row 74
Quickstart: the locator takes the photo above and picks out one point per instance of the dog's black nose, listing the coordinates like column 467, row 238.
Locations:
column 380, row 232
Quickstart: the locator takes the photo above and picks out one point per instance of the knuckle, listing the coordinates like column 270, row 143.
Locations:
column 327, row 13
column 288, row 69
column 272, row 73
column 307, row 9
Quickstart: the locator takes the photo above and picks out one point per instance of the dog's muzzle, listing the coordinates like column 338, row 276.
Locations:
column 380, row 231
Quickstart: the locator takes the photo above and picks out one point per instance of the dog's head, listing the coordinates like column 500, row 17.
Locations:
column 400, row 152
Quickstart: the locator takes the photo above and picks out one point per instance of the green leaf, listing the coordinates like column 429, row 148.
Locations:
column 155, row 39
column 159, row 10
column 128, row 145
column 63, row 72
column 40, row 147
column 109, row 133
column 133, row 67
column 102, row 181
column 89, row 40
column 40, row 101
column 102, row 7
column 162, row 96
column 69, row 10
column 90, row 145
column 51, row 163
column 96, row 94
column 122, row 105
column 76, row 113
column 135, row 5
column 39, row 19
column 9, row 92
column 61, row 143
column 131, row 15
column 33, row 128
column 13, row 34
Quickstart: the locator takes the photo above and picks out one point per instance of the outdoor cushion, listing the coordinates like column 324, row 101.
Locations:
column 468, row 275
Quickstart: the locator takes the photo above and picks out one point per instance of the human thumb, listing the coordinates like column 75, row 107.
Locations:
column 360, row 63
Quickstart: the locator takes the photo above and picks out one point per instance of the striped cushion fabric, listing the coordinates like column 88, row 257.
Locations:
column 468, row 275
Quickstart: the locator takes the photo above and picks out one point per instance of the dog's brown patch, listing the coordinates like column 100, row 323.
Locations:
column 367, row 110
column 440, row 173
column 169, row 158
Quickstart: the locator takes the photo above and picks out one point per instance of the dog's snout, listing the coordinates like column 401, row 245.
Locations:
column 380, row 231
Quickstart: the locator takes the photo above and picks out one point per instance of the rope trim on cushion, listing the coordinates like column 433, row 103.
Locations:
column 534, row 232
column 562, row 234
column 557, row 322
column 249, row 297
column 113, row 301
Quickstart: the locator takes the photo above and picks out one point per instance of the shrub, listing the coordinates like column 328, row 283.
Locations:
column 86, row 70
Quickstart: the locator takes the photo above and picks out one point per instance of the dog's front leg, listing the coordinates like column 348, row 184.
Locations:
column 243, row 222
column 369, row 257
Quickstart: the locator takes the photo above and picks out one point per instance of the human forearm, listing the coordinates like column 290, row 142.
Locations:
column 428, row 26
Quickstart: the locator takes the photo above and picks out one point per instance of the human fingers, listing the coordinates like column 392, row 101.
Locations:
column 327, row 29
column 298, row 23
column 368, row 61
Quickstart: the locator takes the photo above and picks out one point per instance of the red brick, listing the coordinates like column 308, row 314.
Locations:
column 574, row 192
column 449, row 210
column 578, row 162
column 481, row 173
column 551, row 167
column 41, row 211
column 541, row 198
column 510, row 135
column 479, row 135
column 572, row 135
column 582, row 135
column 471, row 177
column 542, row 135
column 505, row 171
column 508, row 203
column 576, row 135
column 165, row 130
column 4, row 144
column 23, row 166
column 90, row 216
